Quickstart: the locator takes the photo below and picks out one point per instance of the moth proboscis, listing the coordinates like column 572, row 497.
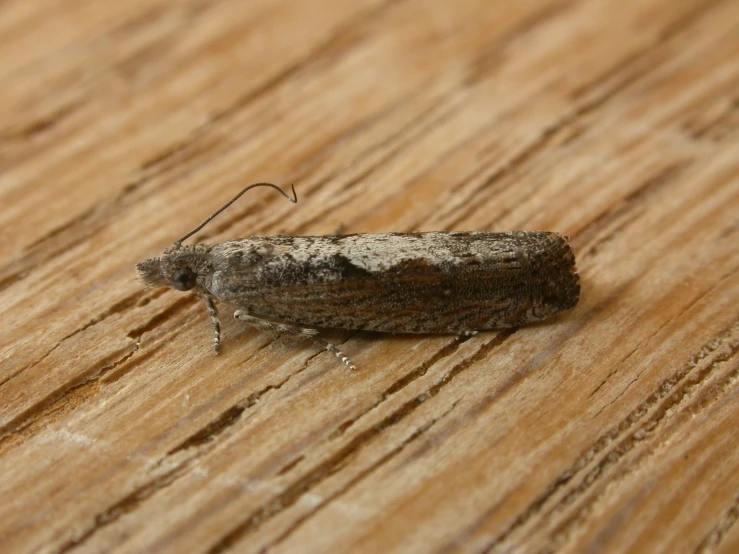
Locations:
column 432, row 282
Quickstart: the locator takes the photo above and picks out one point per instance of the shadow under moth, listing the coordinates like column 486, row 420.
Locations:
column 434, row 282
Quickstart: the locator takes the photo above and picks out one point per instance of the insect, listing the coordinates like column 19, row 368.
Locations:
column 434, row 282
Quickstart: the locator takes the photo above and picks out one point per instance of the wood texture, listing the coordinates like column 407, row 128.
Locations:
column 612, row 429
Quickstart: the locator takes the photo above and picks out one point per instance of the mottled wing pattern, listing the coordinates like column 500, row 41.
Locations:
column 404, row 283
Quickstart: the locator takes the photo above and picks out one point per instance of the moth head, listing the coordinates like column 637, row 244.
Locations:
column 182, row 268
column 188, row 267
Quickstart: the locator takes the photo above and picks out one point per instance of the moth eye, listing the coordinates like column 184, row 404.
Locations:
column 183, row 279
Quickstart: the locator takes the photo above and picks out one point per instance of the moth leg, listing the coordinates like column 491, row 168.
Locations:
column 294, row 330
column 216, row 324
column 469, row 333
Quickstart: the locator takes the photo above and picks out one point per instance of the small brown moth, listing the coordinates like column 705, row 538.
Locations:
column 436, row 282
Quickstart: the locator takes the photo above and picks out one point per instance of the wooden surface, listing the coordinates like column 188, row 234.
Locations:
column 612, row 429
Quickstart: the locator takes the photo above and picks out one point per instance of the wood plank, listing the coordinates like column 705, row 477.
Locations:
column 611, row 429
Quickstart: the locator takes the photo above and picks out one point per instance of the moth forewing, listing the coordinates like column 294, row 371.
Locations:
column 399, row 283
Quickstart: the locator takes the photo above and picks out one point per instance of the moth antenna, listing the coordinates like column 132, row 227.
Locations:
column 294, row 200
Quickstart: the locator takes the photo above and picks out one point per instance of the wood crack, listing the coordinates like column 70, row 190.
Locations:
column 196, row 442
column 337, row 461
column 208, row 434
column 713, row 540
column 87, row 382
column 65, row 399
column 687, row 390
column 119, row 307
column 641, row 345
column 361, row 476
column 233, row 415
column 401, row 383
column 125, row 506
column 627, row 443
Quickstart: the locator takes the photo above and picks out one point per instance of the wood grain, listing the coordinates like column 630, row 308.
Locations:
column 612, row 429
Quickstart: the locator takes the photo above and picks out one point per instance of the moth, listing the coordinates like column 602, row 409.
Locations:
column 433, row 282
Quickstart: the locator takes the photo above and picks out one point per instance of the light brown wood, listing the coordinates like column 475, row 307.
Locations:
column 611, row 429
